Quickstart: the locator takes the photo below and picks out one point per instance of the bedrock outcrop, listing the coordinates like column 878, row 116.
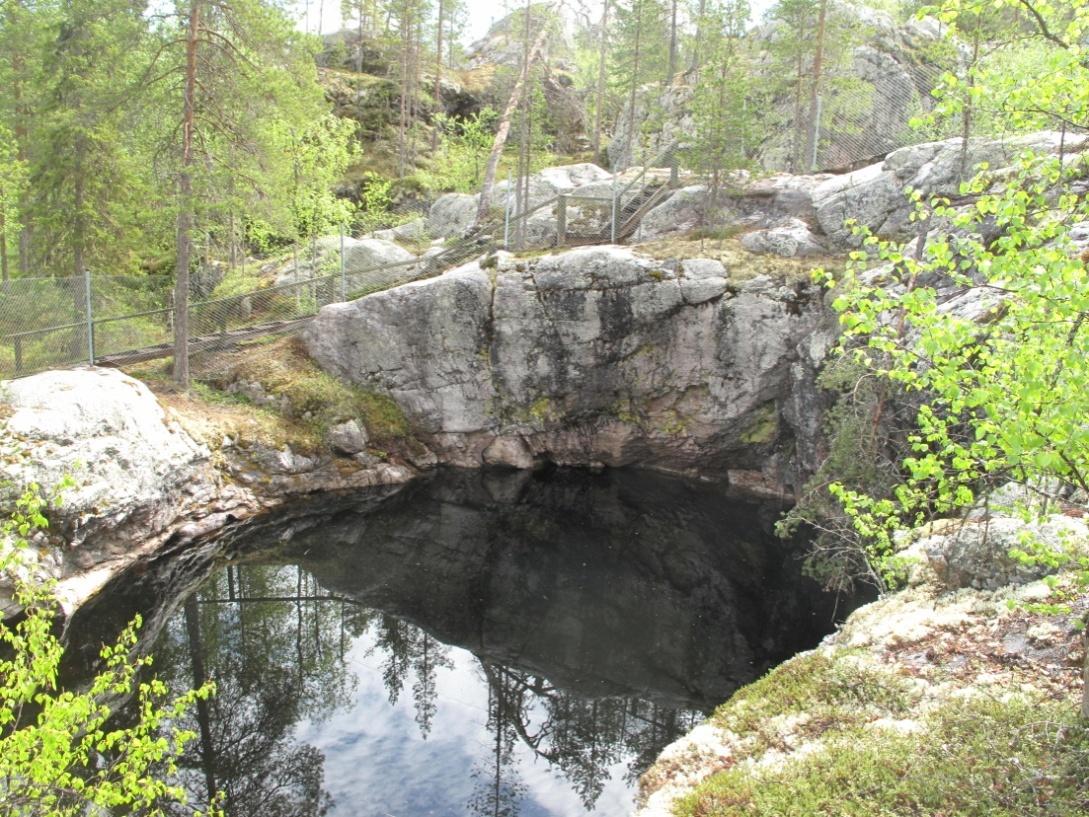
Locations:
column 596, row 356
column 132, row 481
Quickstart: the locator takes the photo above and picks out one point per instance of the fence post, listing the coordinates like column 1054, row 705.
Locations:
column 561, row 220
column 815, row 136
column 90, row 317
column 343, row 278
column 18, row 343
column 506, row 216
column 614, row 215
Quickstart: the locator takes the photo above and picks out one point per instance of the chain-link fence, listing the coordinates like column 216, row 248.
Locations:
column 612, row 212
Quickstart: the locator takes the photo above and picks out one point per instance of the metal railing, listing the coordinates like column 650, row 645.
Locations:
column 626, row 207
column 48, row 323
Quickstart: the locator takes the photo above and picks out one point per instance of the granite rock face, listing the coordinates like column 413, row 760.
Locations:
column 876, row 196
column 891, row 70
column 107, row 434
column 595, row 356
column 977, row 553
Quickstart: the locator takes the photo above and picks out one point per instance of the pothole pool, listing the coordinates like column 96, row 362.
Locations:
column 476, row 643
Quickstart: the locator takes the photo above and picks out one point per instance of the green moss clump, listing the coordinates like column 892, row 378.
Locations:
column 381, row 415
column 764, row 427
column 284, row 370
column 541, row 410
column 830, row 692
column 625, row 411
column 672, row 423
column 971, row 758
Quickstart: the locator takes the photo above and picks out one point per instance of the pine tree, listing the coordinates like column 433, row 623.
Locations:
column 725, row 125
column 640, row 56
column 249, row 91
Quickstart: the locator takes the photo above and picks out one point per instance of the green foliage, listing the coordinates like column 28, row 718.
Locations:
column 13, row 180
column 1002, row 392
column 1000, row 389
column 94, row 120
column 321, row 153
column 1003, row 47
column 463, row 151
column 376, row 210
column 972, row 758
column 60, row 754
column 723, row 143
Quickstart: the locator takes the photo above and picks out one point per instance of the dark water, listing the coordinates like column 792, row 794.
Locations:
column 478, row 643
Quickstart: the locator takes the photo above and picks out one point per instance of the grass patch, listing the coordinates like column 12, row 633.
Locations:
column 311, row 396
column 1019, row 758
column 823, row 692
column 741, row 265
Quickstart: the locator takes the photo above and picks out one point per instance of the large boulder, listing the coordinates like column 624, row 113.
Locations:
column 876, row 196
column 595, row 355
column 365, row 259
column 682, row 211
column 106, row 432
column 550, row 182
column 451, row 215
column 994, row 552
column 366, row 254
column 789, row 239
column 566, row 178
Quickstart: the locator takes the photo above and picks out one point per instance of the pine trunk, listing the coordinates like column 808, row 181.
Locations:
column 184, row 241
column 1085, row 668
column 4, row 275
column 79, row 238
column 634, row 82
column 438, row 73
column 599, row 107
column 813, row 142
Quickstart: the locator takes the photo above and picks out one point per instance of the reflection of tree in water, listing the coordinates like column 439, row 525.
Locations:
column 583, row 738
column 406, row 650
column 498, row 789
column 274, row 645
column 430, row 656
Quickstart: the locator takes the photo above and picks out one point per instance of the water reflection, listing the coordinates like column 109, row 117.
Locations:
column 477, row 644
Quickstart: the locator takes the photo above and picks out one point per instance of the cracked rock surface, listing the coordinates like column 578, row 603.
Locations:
column 594, row 356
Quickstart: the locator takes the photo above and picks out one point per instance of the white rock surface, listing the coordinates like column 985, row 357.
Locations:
column 789, row 239
column 100, row 427
column 683, row 211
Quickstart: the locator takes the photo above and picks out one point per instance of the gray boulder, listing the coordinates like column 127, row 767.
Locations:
column 876, row 196
column 977, row 553
column 789, row 239
column 683, row 211
column 566, row 178
column 347, row 438
column 365, row 254
column 451, row 215
column 552, row 181
column 415, row 230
